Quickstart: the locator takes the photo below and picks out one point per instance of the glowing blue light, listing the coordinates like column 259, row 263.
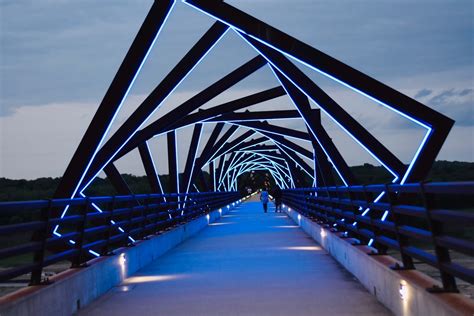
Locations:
column 92, row 252
column 113, row 118
column 239, row 31
column 314, row 134
column 164, row 99
column 154, row 168
column 122, row 101
column 407, row 173
column 222, row 145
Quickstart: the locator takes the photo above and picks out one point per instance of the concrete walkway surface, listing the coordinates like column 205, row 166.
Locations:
column 248, row 263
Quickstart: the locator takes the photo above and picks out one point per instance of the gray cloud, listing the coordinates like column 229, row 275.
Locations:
column 423, row 93
column 457, row 104
column 58, row 58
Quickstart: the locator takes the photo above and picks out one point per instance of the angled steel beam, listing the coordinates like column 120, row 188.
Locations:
column 292, row 168
column 260, row 147
column 274, row 129
column 203, row 180
column 318, row 133
column 191, row 159
column 230, row 145
column 229, row 107
column 288, row 144
column 212, row 175
column 252, row 143
column 285, row 68
column 296, row 159
column 226, row 166
column 322, row 165
column 180, row 117
column 219, row 170
column 206, row 151
column 113, row 99
column 437, row 125
column 150, row 170
column 272, row 155
column 256, row 116
column 155, row 99
column 221, row 142
column 173, row 185
column 117, row 180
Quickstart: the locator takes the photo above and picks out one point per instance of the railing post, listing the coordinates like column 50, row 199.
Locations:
column 81, row 227
column 106, row 249
column 442, row 253
column 42, row 236
column 407, row 261
column 381, row 249
column 131, row 205
column 143, row 215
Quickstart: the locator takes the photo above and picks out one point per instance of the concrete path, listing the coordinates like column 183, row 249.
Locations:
column 248, row 263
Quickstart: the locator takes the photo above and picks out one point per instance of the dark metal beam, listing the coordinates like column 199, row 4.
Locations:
column 173, row 185
column 180, row 116
column 199, row 162
column 274, row 129
column 117, row 180
column 316, row 58
column 191, row 160
column 113, row 99
column 230, row 145
column 440, row 125
column 317, row 131
column 352, row 126
column 151, row 173
column 212, row 175
column 156, row 97
column 256, row 116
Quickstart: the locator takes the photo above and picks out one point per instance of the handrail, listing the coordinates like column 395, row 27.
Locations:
column 405, row 218
column 95, row 225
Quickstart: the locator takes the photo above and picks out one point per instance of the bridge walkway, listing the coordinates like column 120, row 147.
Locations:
column 248, row 263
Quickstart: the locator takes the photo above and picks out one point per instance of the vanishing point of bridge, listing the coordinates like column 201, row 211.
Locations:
column 132, row 253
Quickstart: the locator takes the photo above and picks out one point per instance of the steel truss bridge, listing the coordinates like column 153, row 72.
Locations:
column 395, row 216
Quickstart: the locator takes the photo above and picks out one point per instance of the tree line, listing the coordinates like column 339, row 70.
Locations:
column 43, row 188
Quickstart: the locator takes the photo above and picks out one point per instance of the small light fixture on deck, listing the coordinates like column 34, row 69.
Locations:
column 208, row 218
column 122, row 259
column 403, row 290
column 220, row 211
column 323, row 233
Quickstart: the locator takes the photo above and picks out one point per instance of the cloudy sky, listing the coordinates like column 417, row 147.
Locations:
column 58, row 58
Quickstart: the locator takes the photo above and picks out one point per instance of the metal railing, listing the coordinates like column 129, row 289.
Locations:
column 91, row 226
column 422, row 221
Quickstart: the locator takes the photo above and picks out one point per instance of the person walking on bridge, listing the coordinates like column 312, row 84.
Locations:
column 264, row 199
column 277, row 195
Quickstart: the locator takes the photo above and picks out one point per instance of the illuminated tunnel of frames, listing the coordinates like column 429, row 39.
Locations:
column 242, row 141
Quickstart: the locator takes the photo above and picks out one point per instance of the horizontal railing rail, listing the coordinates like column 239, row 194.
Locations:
column 93, row 226
column 422, row 221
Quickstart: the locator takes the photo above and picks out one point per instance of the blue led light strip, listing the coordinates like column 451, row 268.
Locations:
column 418, row 122
column 113, row 118
column 164, row 99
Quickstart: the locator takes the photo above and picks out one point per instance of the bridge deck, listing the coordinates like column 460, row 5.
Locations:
column 248, row 263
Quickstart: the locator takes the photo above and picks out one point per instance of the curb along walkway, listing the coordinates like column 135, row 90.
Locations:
column 248, row 263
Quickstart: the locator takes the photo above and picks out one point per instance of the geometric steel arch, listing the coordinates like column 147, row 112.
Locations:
column 260, row 144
